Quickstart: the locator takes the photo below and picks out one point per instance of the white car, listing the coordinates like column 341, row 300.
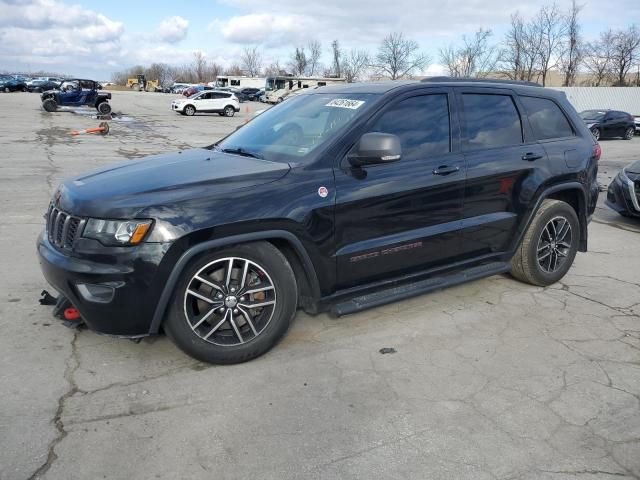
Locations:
column 222, row 103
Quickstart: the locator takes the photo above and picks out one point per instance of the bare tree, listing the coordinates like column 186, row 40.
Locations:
column 213, row 70
column 598, row 58
column 315, row 52
column 520, row 58
column 274, row 69
column 199, row 66
column 235, row 70
column 251, row 61
column 400, row 57
column 572, row 55
column 625, row 53
column 474, row 58
column 354, row 64
column 299, row 62
column 161, row 72
column 550, row 28
column 337, row 58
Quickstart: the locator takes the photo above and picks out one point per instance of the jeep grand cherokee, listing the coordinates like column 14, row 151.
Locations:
column 340, row 199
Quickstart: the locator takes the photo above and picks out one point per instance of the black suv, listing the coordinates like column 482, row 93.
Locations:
column 339, row 199
column 609, row 124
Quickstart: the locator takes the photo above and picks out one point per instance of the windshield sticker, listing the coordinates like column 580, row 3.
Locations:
column 345, row 103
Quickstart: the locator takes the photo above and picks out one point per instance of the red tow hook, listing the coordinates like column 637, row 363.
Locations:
column 71, row 314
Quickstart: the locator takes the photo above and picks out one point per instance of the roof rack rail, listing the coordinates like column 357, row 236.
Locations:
column 480, row 80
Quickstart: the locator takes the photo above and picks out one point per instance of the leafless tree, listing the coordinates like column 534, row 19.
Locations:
column 337, row 58
column 400, row 57
column 199, row 66
column 161, row 72
column 625, row 53
column 213, row 70
column 234, row 69
column 299, row 62
column 598, row 58
column 251, row 61
column 549, row 27
column 354, row 64
column 274, row 69
column 573, row 53
column 315, row 52
column 520, row 57
column 475, row 57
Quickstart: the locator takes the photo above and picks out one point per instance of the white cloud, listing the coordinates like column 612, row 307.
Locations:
column 173, row 29
column 264, row 28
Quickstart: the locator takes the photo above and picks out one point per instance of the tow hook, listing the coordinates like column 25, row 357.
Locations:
column 63, row 309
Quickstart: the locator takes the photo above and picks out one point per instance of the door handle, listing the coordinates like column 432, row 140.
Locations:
column 445, row 170
column 530, row 157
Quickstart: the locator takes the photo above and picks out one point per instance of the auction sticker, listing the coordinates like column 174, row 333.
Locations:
column 323, row 192
column 345, row 103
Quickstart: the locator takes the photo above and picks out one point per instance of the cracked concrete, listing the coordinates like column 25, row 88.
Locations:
column 490, row 380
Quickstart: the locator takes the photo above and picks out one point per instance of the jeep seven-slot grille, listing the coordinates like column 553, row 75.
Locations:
column 62, row 228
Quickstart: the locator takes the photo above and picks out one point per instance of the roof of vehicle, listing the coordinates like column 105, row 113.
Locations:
column 388, row 85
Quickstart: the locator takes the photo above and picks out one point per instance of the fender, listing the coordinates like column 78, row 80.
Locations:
column 184, row 259
column 582, row 218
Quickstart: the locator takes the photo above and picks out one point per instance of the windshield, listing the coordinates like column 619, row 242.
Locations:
column 592, row 115
column 294, row 129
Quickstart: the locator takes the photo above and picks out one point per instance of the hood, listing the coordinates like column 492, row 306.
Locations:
column 124, row 189
column 634, row 168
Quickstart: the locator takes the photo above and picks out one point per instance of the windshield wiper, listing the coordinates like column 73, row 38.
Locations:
column 242, row 151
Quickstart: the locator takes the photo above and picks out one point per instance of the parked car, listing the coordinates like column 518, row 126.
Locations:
column 636, row 120
column 42, row 86
column 75, row 93
column 208, row 101
column 623, row 194
column 337, row 199
column 609, row 123
column 9, row 83
column 195, row 89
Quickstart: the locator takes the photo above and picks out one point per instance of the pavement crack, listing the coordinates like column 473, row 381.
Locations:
column 72, row 365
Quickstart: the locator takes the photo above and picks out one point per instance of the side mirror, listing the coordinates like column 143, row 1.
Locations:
column 375, row 148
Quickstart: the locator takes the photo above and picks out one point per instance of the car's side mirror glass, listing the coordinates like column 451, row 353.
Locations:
column 376, row 148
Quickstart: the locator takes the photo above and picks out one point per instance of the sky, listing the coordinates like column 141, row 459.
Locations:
column 95, row 38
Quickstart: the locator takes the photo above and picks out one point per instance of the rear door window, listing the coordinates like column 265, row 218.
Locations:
column 491, row 121
column 422, row 123
column 546, row 118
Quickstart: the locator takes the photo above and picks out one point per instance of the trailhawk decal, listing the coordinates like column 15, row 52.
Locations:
column 345, row 103
column 386, row 251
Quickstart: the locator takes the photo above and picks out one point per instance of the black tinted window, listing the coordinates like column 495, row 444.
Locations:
column 546, row 118
column 422, row 123
column 491, row 121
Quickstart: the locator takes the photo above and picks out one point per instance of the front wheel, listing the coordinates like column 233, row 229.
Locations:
column 549, row 245
column 104, row 108
column 229, row 111
column 50, row 105
column 596, row 133
column 233, row 305
column 190, row 110
column 629, row 133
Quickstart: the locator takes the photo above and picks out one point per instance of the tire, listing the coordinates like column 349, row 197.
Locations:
column 50, row 105
column 23, row 89
column 596, row 133
column 189, row 110
column 280, row 100
column 221, row 114
column 229, row 111
column 104, row 108
column 216, row 339
column 629, row 133
column 7, row 90
column 527, row 264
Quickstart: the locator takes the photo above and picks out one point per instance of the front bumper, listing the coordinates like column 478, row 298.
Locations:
column 128, row 272
column 622, row 197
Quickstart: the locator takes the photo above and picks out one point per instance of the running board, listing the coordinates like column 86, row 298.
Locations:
column 408, row 290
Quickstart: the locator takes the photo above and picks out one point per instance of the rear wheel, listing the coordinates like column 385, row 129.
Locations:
column 50, row 105
column 596, row 133
column 629, row 133
column 190, row 110
column 229, row 111
column 549, row 245
column 233, row 305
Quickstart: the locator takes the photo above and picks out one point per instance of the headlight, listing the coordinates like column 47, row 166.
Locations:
column 116, row 232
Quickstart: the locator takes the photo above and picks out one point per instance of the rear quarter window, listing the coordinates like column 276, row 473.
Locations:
column 546, row 119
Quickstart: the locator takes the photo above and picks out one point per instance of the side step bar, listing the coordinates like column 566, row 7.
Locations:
column 408, row 290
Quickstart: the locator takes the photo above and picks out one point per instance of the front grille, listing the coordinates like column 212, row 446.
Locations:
column 62, row 228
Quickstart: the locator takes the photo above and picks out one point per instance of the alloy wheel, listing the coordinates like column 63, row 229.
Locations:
column 229, row 301
column 554, row 244
column 630, row 133
column 596, row 133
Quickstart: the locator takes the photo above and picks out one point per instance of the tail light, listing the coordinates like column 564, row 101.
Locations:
column 597, row 151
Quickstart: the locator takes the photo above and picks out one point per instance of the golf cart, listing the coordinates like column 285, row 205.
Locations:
column 76, row 93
